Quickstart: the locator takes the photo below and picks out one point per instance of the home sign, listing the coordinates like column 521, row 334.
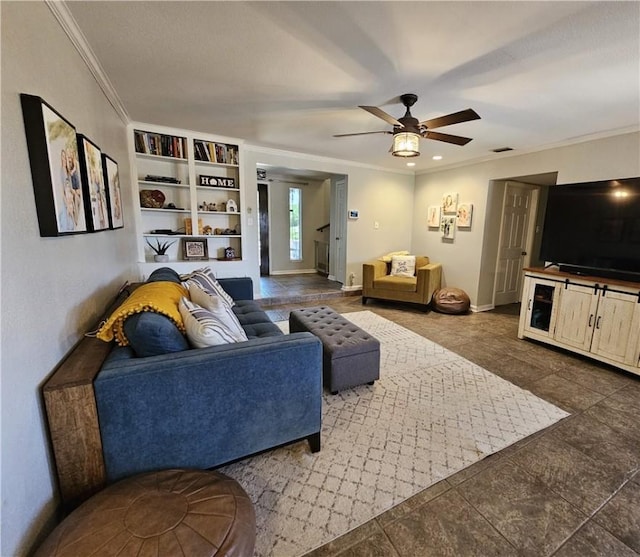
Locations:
column 217, row 181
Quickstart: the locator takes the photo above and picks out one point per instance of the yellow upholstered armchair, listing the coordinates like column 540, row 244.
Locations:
column 378, row 282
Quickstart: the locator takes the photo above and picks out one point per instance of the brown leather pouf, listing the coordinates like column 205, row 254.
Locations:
column 196, row 513
column 450, row 300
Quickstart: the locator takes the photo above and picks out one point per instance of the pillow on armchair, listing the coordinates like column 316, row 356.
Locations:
column 389, row 256
column 403, row 265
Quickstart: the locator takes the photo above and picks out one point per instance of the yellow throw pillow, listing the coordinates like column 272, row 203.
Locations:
column 387, row 258
column 161, row 297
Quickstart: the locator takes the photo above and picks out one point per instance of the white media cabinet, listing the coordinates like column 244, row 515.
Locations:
column 596, row 317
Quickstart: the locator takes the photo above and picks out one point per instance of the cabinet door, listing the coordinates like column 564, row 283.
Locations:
column 576, row 316
column 617, row 327
column 542, row 299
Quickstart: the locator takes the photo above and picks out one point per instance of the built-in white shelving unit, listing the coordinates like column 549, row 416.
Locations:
column 181, row 178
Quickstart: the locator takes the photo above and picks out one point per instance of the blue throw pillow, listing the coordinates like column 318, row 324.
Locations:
column 153, row 334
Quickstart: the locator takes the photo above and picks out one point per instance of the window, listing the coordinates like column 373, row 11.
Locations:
column 295, row 224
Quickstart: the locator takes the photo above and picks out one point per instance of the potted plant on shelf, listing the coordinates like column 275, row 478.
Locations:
column 161, row 250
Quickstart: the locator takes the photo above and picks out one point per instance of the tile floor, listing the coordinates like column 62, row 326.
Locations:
column 286, row 289
column 570, row 490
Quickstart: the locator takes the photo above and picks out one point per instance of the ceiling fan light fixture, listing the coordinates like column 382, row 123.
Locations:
column 406, row 144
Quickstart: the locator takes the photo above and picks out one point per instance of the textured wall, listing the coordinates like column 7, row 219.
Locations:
column 52, row 288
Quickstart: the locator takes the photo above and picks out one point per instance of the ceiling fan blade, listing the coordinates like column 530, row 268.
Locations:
column 447, row 138
column 381, row 114
column 454, row 118
column 360, row 133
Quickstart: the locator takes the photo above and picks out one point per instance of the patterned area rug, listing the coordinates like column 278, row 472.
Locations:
column 431, row 414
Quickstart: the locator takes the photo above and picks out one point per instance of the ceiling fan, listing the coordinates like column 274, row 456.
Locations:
column 407, row 130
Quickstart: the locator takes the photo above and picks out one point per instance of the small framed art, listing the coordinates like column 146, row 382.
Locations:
column 433, row 216
column 53, row 157
column 114, row 197
column 448, row 227
column 465, row 212
column 96, row 200
column 449, row 203
column 195, row 249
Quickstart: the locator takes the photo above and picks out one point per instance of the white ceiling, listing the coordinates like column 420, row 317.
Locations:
column 289, row 75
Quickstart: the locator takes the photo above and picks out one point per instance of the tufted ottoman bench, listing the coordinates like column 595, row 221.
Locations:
column 198, row 513
column 350, row 356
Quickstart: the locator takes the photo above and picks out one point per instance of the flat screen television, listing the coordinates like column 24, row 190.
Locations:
column 593, row 228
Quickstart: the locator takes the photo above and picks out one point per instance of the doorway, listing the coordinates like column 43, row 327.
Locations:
column 323, row 222
column 263, row 237
column 519, row 208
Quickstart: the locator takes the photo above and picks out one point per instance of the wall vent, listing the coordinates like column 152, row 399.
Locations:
column 502, row 149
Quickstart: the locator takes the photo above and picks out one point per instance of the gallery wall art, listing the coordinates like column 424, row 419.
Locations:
column 114, row 193
column 449, row 203
column 465, row 213
column 448, row 227
column 71, row 177
column 95, row 193
column 55, row 173
column 433, row 216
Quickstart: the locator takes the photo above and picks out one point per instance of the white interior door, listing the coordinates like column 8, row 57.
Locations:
column 514, row 245
column 338, row 230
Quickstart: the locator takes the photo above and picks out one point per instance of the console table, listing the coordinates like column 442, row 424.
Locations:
column 593, row 316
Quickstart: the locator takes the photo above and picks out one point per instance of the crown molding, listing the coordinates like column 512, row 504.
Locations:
column 321, row 159
column 69, row 25
column 547, row 147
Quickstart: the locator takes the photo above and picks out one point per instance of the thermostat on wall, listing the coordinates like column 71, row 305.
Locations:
column 353, row 214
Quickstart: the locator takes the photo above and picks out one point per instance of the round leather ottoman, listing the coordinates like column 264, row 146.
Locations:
column 196, row 513
column 450, row 300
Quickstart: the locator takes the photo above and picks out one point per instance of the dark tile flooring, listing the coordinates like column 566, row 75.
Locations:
column 570, row 490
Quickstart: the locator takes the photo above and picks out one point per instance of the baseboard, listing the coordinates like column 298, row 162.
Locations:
column 351, row 288
column 294, row 272
column 487, row 307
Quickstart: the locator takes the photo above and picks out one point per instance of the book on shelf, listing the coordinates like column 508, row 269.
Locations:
column 221, row 153
column 159, row 144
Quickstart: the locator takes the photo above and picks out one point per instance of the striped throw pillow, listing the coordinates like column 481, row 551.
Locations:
column 206, row 280
column 219, row 308
column 203, row 327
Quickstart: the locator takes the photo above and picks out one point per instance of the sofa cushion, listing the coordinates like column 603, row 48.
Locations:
column 205, row 279
column 204, row 328
column 254, row 320
column 400, row 284
column 403, row 265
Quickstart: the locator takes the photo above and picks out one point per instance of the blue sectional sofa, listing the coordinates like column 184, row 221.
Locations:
column 197, row 408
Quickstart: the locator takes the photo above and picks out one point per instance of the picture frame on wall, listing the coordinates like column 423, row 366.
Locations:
column 448, row 227
column 465, row 214
column 114, row 193
column 433, row 216
column 54, row 161
column 449, row 203
column 194, row 249
column 96, row 200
